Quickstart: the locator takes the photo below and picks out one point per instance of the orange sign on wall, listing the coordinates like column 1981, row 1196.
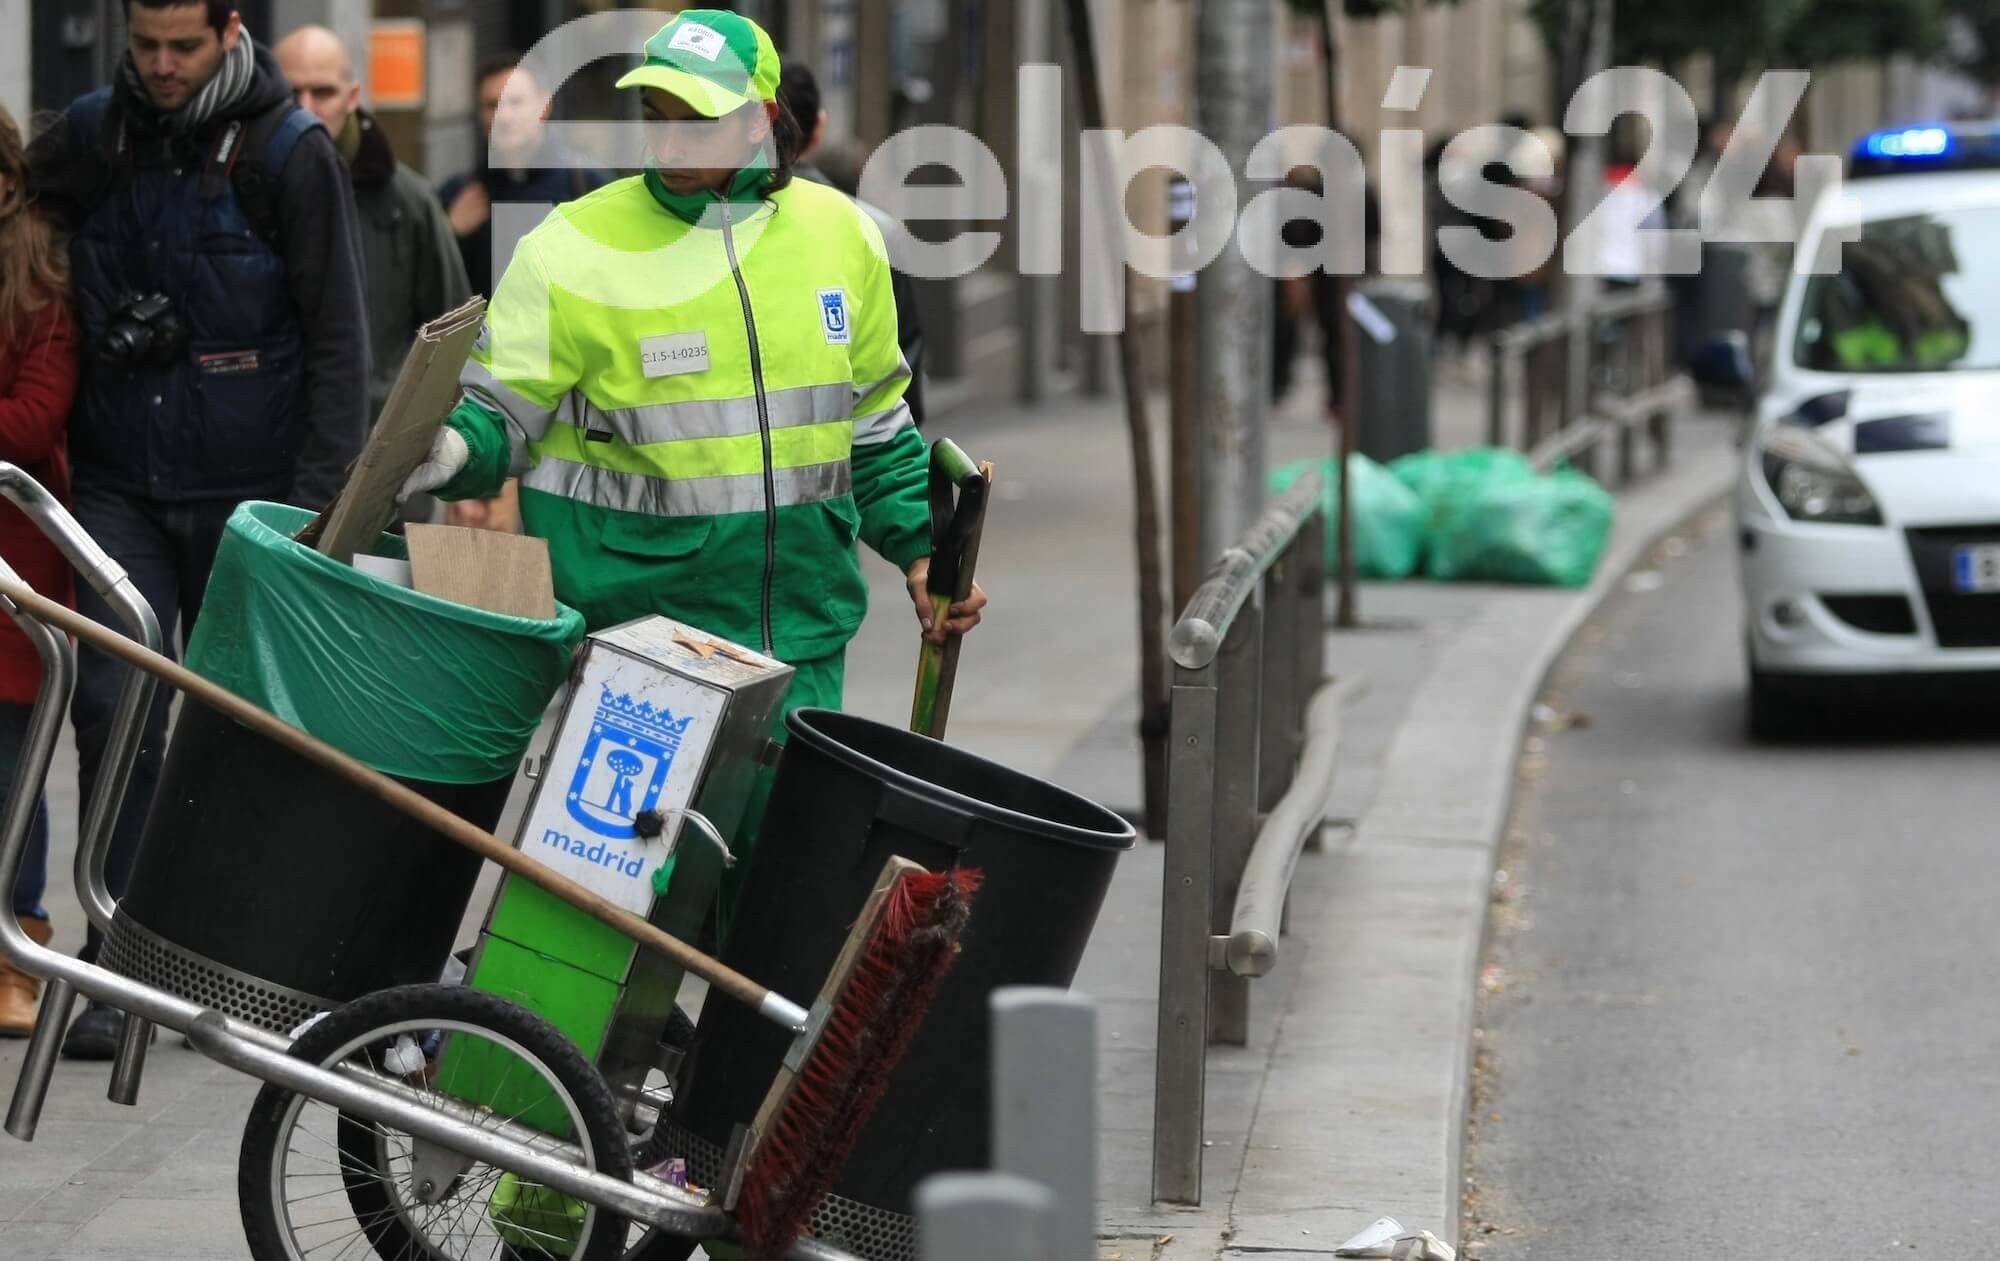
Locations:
column 396, row 63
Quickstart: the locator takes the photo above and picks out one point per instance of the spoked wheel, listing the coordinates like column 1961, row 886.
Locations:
column 319, row 1184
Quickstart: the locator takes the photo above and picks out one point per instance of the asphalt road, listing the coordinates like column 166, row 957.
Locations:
column 1740, row 999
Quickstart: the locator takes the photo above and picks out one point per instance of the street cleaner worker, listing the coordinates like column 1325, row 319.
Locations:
column 695, row 375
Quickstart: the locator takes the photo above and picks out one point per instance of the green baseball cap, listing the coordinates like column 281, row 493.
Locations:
column 715, row 60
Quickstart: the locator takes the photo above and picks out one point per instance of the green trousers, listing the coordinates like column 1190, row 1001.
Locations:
column 817, row 684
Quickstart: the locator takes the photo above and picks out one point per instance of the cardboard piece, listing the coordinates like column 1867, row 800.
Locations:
column 485, row 569
column 426, row 390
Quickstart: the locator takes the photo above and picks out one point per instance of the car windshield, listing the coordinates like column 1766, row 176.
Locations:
column 1919, row 293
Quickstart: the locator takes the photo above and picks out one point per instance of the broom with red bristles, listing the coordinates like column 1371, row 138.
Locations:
column 873, row 1002
column 846, row 1046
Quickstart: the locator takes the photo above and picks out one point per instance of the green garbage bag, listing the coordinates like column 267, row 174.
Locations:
column 1444, row 478
column 414, row 686
column 1388, row 516
column 1549, row 531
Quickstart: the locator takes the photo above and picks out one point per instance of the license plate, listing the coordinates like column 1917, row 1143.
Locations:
column 1975, row 570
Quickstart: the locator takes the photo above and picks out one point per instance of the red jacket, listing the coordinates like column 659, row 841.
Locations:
column 37, row 381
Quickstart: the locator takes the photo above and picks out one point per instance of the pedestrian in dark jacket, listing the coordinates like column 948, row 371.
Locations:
column 518, row 162
column 37, row 381
column 217, row 276
column 414, row 270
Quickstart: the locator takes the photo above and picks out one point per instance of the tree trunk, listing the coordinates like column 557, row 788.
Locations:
column 1154, row 697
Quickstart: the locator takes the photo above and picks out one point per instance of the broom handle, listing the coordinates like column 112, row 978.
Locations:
column 432, row 815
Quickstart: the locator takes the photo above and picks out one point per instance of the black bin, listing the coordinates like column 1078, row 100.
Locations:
column 315, row 892
column 849, row 794
column 270, row 889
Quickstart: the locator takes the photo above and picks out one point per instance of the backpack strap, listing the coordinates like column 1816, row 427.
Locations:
column 94, row 148
column 256, row 166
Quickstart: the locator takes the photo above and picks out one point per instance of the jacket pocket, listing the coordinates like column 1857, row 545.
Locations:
column 251, row 409
column 655, row 538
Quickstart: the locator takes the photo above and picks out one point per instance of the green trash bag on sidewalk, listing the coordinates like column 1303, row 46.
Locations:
column 1444, row 478
column 1550, row 531
column 1388, row 516
column 414, row 686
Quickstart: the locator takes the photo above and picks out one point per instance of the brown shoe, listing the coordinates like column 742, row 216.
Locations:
column 20, row 992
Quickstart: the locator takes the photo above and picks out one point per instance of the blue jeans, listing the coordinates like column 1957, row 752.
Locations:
column 168, row 549
column 32, row 880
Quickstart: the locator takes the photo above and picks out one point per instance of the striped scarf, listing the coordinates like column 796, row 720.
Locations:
column 230, row 84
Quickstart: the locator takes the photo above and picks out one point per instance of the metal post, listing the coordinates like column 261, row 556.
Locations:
column 1281, row 725
column 1180, row 1059
column 1496, row 393
column 1237, row 724
column 1586, row 190
column 1038, row 179
column 130, row 1066
column 1233, row 301
column 982, row 1217
column 1309, row 547
column 1183, row 405
column 1279, row 728
column 38, row 1066
column 1045, row 1107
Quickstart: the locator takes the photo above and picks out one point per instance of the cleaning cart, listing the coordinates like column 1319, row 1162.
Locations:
column 417, row 1117
column 397, row 1115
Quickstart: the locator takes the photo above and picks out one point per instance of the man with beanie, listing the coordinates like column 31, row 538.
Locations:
column 217, row 277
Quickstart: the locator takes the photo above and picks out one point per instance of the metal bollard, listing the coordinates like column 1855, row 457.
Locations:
column 1045, row 1107
column 1237, row 722
column 983, row 1217
column 1181, row 1057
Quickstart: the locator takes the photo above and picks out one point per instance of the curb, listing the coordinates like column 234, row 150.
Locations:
column 1380, row 1026
column 1621, row 559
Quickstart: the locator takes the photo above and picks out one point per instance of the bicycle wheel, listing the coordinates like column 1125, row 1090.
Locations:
column 319, row 1184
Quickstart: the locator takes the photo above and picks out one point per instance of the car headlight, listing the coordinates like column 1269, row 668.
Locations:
column 1813, row 483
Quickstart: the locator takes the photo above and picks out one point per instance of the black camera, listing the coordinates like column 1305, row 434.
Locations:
column 145, row 332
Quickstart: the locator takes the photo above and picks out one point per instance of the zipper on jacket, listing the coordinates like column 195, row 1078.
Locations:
column 763, row 426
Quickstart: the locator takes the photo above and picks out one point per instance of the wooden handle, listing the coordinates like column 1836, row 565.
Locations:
column 418, row 807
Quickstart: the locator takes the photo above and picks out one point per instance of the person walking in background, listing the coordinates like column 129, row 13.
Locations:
column 798, row 91
column 216, row 271
column 519, row 163
column 37, row 382
column 414, row 269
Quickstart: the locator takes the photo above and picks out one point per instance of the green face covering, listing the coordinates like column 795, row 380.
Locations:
column 746, row 187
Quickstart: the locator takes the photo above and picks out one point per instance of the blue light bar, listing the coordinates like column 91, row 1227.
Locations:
column 1910, row 142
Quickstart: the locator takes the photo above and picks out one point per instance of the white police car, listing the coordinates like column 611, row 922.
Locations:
column 1869, row 498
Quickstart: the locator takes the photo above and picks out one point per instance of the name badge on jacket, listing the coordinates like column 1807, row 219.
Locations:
column 673, row 355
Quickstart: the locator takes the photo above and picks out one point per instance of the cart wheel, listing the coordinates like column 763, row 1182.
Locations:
column 313, row 1180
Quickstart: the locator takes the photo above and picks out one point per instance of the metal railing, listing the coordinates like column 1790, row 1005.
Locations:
column 1630, row 387
column 1249, row 664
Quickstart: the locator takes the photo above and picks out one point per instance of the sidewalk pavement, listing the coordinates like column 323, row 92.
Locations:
column 1346, row 1102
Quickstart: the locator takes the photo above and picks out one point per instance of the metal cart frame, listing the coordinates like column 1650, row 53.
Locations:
column 246, row 1048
